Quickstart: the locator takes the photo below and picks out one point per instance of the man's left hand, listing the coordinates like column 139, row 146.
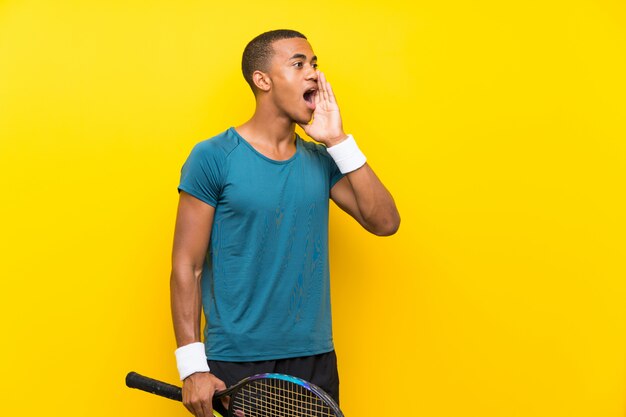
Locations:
column 326, row 126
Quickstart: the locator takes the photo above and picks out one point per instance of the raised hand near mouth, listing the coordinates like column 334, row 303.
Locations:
column 326, row 126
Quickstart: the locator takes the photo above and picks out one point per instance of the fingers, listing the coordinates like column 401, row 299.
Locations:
column 219, row 385
column 323, row 86
column 207, row 409
column 318, row 94
column 199, row 407
column 331, row 95
column 324, row 90
column 198, row 392
column 226, row 401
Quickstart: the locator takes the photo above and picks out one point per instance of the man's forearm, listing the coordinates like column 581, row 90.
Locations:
column 186, row 304
column 375, row 203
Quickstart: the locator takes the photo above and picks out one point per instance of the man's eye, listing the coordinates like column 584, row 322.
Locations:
column 298, row 64
column 315, row 65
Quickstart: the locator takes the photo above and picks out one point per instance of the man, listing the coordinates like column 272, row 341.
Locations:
column 251, row 240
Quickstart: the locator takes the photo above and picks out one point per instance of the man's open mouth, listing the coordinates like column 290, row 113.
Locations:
column 309, row 97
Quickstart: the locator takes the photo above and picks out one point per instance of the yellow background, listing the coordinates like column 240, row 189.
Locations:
column 498, row 126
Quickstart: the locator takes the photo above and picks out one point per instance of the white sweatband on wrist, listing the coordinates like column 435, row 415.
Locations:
column 347, row 155
column 190, row 359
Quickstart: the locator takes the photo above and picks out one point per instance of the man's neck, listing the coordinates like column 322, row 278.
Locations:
column 270, row 133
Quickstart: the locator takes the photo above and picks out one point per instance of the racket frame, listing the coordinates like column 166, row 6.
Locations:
column 173, row 392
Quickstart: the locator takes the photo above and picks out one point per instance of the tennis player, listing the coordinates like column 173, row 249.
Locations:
column 251, row 239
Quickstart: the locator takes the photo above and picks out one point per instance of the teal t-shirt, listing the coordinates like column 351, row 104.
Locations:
column 265, row 284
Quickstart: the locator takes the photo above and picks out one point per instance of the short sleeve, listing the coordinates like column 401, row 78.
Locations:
column 335, row 174
column 202, row 173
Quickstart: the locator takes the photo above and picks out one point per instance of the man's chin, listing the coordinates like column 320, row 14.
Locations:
column 304, row 119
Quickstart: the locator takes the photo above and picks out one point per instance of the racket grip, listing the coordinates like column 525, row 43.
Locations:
column 153, row 386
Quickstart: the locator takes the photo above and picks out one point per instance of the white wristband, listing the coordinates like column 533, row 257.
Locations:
column 347, row 155
column 190, row 359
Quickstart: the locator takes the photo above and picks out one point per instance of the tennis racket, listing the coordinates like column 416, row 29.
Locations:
column 263, row 395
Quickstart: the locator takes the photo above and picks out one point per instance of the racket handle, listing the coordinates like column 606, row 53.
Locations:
column 134, row 380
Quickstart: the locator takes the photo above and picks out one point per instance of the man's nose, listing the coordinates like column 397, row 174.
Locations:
column 312, row 73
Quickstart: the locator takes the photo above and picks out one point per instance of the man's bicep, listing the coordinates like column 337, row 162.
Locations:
column 194, row 221
column 343, row 195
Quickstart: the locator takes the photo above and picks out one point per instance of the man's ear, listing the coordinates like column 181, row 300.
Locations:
column 261, row 80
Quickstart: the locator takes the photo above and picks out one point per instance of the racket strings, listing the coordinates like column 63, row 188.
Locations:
column 278, row 398
column 281, row 402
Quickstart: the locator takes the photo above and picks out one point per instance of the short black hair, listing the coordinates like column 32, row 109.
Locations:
column 258, row 52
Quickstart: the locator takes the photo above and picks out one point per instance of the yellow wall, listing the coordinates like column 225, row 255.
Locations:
column 499, row 127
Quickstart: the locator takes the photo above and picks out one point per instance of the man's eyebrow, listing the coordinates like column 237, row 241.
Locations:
column 302, row 56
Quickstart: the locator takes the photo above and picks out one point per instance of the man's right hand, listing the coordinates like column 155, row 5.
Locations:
column 198, row 390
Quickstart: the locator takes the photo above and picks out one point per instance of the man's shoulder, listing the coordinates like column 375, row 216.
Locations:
column 218, row 145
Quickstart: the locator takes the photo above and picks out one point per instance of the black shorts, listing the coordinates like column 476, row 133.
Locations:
column 320, row 370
